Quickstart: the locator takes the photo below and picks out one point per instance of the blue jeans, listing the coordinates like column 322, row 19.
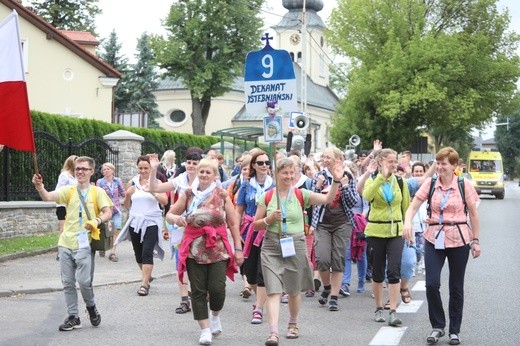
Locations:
column 76, row 266
column 434, row 261
column 361, row 268
column 408, row 262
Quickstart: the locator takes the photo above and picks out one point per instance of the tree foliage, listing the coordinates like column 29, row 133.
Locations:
column 79, row 15
column 142, row 80
column 443, row 66
column 205, row 48
column 508, row 142
column 111, row 53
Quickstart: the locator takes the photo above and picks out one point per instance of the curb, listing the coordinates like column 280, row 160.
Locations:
column 17, row 255
column 12, row 293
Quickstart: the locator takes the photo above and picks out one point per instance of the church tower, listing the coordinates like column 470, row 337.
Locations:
column 313, row 48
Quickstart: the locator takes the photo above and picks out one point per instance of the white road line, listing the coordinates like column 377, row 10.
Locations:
column 420, row 285
column 411, row 307
column 388, row 336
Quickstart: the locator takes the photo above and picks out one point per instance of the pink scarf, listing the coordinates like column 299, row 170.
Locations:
column 191, row 233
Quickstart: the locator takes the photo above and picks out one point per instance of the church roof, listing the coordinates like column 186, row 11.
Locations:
column 293, row 18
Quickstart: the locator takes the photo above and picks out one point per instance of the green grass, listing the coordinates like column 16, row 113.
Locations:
column 27, row 244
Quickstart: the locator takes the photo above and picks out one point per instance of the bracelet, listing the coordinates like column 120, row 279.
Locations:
column 238, row 250
column 336, row 181
column 100, row 221
column 475, row 239
column 475, row 242
column 267, row 224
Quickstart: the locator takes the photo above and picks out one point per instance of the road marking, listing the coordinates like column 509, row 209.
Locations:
column 420, row 285
column 388, row 336
column 411, row 307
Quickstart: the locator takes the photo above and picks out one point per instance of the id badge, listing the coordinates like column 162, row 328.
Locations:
column 83, row 240
column 439, row 240
column 287, row 245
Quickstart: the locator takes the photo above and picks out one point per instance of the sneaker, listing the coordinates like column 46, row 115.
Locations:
column 215, row 326
column 333, row 305
column 284, row 298
column 93, row 314
column 70, row 323
column 257, row 316
column 344, row 291
column 205, row 337
column 393, row 320
column 379, row 315
column 454, row 339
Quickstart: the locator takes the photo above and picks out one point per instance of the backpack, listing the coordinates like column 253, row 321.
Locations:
column 297, row 192
column 460, row 184
column 399, row 182
column 299, row 195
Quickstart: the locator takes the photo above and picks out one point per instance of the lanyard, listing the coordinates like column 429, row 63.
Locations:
column 444, row 200
column 111, row 187
column 283, row 207
column 388, row 194
column 84, row 198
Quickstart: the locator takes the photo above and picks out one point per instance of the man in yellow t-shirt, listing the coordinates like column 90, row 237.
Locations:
column 76, row 257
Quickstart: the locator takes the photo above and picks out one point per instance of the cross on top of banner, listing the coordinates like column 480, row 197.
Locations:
column 266, row 38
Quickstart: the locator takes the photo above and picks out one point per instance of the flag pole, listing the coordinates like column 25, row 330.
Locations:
column 35, row 163
column 273, row 150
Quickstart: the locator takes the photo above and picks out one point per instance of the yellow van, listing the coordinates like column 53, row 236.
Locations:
column 485, row 170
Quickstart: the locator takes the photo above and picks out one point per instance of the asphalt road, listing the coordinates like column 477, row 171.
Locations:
column 491, row 302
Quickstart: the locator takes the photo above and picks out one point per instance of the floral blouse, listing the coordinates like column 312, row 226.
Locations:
column 212, row 213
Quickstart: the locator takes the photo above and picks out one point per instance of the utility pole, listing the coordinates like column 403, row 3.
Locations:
column 506, row 123
column 304, row 61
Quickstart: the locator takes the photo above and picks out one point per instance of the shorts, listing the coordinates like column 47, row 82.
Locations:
column 61, row 213
column 116, row 221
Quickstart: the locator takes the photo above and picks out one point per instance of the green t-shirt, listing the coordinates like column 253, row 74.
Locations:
column 294, row 211
column 68, row 237
column 383, row 213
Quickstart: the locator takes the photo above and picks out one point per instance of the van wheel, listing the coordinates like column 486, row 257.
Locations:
column 500, row 195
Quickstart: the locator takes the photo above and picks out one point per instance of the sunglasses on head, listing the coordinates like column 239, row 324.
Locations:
column 261, row 163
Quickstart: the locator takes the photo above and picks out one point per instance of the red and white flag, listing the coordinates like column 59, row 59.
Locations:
column 15, row 118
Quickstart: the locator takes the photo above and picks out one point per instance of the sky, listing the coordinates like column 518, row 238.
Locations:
column 130, row 19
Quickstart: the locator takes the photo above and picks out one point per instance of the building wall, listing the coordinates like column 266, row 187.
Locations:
column 58, row 81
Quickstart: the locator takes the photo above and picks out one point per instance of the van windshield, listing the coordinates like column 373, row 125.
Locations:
column 485, row 166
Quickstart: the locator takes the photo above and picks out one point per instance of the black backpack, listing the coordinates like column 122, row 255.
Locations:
column 460, row 184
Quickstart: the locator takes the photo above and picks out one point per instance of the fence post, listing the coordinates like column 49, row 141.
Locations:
column 128, row 145
column 69, row 147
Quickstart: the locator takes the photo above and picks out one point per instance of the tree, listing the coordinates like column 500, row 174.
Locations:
column 205, row 48
column 443, row 66
column 79, row 15
column 111, row 53
column 508, row 142
column 142, row 79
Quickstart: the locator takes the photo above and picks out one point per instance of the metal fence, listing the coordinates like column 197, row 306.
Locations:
column 148, row 147
column 17, row 167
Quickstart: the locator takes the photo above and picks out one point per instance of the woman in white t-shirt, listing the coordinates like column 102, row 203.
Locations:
column 65, row 178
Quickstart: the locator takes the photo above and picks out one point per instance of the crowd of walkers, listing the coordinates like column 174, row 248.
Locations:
column 285, row 227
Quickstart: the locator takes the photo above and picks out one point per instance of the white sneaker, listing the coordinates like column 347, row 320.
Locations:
column 205, row 337
column 215, row 326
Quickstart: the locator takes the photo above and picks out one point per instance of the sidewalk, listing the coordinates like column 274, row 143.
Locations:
column 41, row 273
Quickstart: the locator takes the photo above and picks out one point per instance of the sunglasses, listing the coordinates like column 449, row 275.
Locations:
column 82, row 169
column 261, row 163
